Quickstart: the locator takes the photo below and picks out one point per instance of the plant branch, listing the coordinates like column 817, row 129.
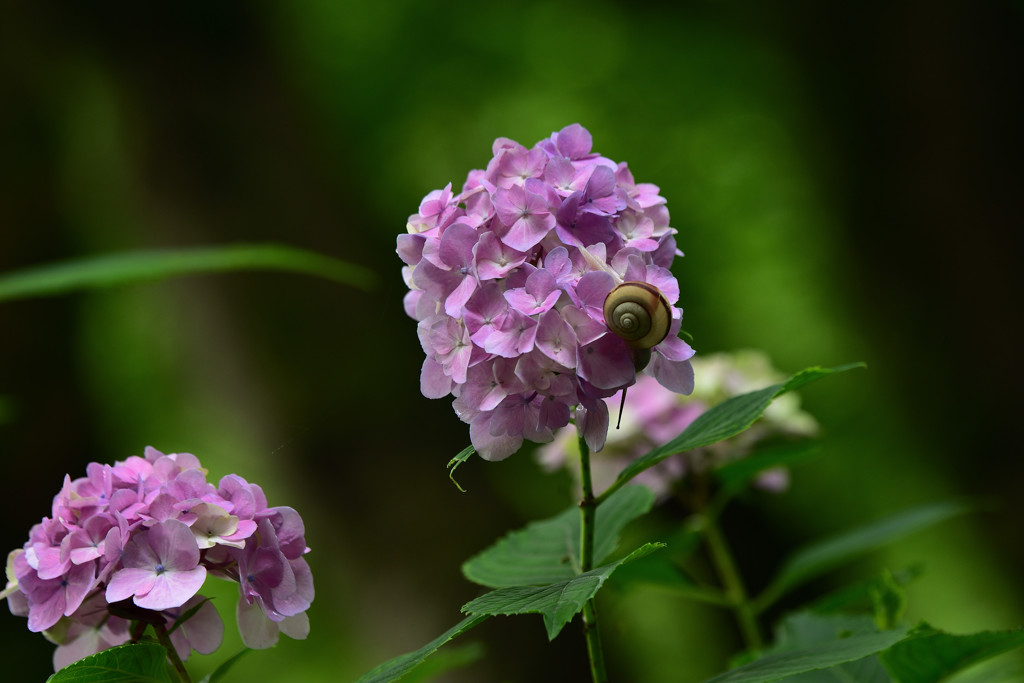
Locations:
column 172, row 654
column 732, row 583
column 588, row 517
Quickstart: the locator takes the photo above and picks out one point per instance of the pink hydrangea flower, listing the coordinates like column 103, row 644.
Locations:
column 141, row 536
column 509, row 279
column 159, row 568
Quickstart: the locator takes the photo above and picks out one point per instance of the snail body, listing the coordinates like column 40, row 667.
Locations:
column 641, row 315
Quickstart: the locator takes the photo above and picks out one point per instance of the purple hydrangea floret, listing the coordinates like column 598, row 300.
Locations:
column 137, row 539
column 508, row 280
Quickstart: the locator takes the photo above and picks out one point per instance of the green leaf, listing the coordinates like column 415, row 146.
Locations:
column 720, row 422
column 548, row 551
column 454, row 463
column 140, row 266
column 822, row 556
column 558, row 602
column 222, row 670
column 613, row 516
column 664, row 570
column 859, row 596
column 135, row 663
column 824, row 655
column 656, row 571
column 889, row 601
column 866, row 670
column 802, row 630
column 930, row 655
column 735, row 474
column 396, row 668
column 448, row 659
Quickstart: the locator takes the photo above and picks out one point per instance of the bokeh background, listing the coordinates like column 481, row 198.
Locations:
column 845, row 181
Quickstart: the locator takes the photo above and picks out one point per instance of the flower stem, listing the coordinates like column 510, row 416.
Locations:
column 588, row 516
column 736, row 594
column 172, row 654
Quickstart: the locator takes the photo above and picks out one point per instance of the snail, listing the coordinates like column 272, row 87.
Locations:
column 640, row 314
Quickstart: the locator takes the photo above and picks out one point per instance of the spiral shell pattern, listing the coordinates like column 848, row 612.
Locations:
column 639, row 313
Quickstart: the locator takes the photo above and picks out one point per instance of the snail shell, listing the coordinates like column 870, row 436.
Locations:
column 639, row 313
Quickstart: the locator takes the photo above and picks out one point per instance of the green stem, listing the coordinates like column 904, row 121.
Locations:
column 722, row 558
column 172, row 654
column 588, row 516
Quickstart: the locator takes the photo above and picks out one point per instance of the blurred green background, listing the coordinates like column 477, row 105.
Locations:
column 844, row 180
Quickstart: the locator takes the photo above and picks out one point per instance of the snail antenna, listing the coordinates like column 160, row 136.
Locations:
column 622, row 408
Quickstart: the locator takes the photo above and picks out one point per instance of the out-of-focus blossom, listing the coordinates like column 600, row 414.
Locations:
column 653, row 416
column 139, row 538
column 509, row 279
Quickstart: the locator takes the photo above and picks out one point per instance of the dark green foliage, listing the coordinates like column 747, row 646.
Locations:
column 547, row 551
column 130, row 267
column 557, row 602
column 135, row 663
column 928, row 655
column 822, row 556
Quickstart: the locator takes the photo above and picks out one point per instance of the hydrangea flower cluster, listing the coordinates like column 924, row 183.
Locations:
column 137, row 540
column 509, row 278
column 653, row 416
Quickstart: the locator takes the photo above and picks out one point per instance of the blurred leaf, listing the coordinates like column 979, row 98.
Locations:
column 664, row 574
column 225, row 666
column 737, row 473
column 548, row 551
column 803, row 629
column 866, row 670
column 806, row 629
column 720, row 422
column 823, row 655
column 454, row 463
column 664, row 571
column 820, row 557
column 929, row 655
column 858, row 596
column 130, row 267
column 135, row 663
column 396, row 668
column 558, row 602
column 889, row 601
column 448, row 660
